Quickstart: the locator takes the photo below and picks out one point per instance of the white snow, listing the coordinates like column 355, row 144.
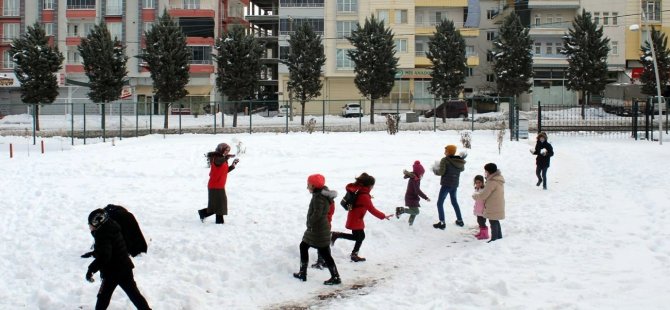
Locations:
column 597, row 239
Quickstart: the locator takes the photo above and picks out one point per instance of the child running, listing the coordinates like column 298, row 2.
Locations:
column 413, row 194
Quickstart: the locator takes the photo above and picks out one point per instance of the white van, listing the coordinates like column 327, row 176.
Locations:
column 352, row 109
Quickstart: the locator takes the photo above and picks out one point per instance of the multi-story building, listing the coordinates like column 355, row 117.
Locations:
column 66, row 22
column 264, row 19
column 652, row 18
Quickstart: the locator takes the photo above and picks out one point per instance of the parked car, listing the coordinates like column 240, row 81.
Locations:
column 352, row 109
column 453, row 109
column 284, row 109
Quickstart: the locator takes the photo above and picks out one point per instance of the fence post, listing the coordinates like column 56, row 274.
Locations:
column 434, row 115
column 214, row 108
column 360, row 116
column 286, row 116
column 120, row 121
column 151, row 118
column 249, row 114
column 646, row 120
column 84, row 115
column 103, row 123
column 34, row 124
column 179, row 118
column 539, row 116
column 323, row 117
column 11, row 151
column 636, row 108
column 472, row 121
column 72, row 122
column 137, row 121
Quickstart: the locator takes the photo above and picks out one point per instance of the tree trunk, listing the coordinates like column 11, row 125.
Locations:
column 102, row 121
column 37, row 117
column 585, row 99
column 302, row 114
column 372, row 111
column 167, row 113
column 444, row 109
column 236, row 107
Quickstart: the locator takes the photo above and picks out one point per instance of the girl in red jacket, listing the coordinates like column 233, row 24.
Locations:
column 217, row 202
column 364, row 184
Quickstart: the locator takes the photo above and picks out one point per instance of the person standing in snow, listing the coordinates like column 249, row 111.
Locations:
column 320, row 261
column 317, row 234
column 112, row 260
column 413, row 192
column 217, row 201
column 493, row 196
column 364, row 184
column 479, row 210
column 544, row 152
column 449, row 170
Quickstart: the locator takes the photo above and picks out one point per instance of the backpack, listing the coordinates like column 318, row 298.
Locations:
column 130, row 229
column 349, row 200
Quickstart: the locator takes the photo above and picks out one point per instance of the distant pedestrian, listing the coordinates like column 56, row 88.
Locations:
column 479, row 210
column 493, row 196
column 449, row 170
column 217, row 200
column 413, row 192
column 544, row 152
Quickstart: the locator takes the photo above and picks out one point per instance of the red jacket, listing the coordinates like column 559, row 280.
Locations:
column 218, row 174
column 361, row 207
column 331, row 211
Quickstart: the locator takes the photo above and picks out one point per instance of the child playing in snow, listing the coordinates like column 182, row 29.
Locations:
column 479, row 210
column 493, row 196
column 217, row 201
column 413, row 192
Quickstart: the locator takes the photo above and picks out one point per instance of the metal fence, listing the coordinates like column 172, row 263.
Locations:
column 80, row 120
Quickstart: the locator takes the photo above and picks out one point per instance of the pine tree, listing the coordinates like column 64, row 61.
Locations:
column 37, row 63
column 305, row 60
column 586, row 50
column 167, row 57
column 512, row 57
column 374, row 60
column 446, row 52
column 105, row 65
column 238, row 66
column 648, row 78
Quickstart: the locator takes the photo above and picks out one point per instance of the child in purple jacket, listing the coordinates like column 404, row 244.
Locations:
column 413, row 193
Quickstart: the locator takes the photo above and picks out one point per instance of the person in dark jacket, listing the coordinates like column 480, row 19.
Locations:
column 544, row 152
column 320, row 262
column 413, row 192
column 364, row 184
column 317, row 234
column 217, row 201
column 112, row 260
column 449, row 170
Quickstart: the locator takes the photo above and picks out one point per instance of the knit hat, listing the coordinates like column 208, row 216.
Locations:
column 222, row 147
column 97, row 217
column 316, row 180
column 417, row 168
column 451, row 149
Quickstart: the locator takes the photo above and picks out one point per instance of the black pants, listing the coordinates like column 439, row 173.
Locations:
column 323, row 252
column 356, row 235
column 481, row 221
column 496, row 233
column 541, row 173
column 127, row 283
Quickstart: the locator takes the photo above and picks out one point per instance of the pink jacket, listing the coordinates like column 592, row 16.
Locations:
column 479, row 206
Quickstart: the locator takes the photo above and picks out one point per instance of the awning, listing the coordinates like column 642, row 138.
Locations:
column 193, row 90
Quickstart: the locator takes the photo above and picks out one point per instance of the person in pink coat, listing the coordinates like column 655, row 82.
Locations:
column 479, row 210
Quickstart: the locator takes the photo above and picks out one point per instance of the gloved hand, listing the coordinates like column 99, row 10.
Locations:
column 88, row 254
column 89, row 276
column 532, row 151
column 237, row 160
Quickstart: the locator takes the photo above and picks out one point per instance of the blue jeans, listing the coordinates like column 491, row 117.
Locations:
column 444, row 191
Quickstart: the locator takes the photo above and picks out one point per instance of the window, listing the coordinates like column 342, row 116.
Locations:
column 7, row 61
column 73, row 56
column 148, row 26
column 538, row 48
column 149, row 4
column 115, row 30
column 490, row 78
column 81, row 4
column 191, row 4
column 343, row 61
column 490, row 35
column 470, row 50
column 439, row 17
column 550, row 48
column 614, row 48
column 489, row 56
column 10, row 32
column 347, row 5
column 490, row 14
column 287, row 26
column 301, row 3
column 596, row 18
column 469, row 71
column 201, row 55
column 10, row 8
column 344, row 29
column 49, row 4
column 79, row 30
column 615, row 18
column 114, row 7
column 49, row 29
column 400, row 45
column 383, row 15
column 559, row 21
column 606, row 18
column 652, row 8
column 550, row 20
column 401, row 16
column 284, row 51
column 538, row 21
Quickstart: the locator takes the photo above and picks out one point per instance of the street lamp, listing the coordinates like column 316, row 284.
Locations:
column 636, row 27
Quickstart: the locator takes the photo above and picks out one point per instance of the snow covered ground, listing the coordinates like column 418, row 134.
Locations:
column 595, row 240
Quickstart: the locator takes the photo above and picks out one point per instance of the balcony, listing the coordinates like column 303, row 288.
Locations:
column 469, row 32
column 553, row 4
column 181, row 9
column 441, row 4
column 113, row 10
column 547, row 30
column 472, row 59
column 420, row 59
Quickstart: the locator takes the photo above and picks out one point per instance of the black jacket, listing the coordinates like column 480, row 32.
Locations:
column 542, row 161
column 111, row 255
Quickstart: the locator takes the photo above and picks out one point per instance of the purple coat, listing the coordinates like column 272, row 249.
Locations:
column 414, row 192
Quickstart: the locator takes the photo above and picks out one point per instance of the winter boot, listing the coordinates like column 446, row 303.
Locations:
column 334, row 276
column 333, row 236
column 483, row 233
column 355, row 258
column 219, row 219
column 539, row 181
column 459, row 223
column 302, row 274
column 320, row 263
column 399, row 211
column 440, row 225
column 203, row 214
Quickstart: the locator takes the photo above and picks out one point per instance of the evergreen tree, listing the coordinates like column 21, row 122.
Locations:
column 238, row 66
column 105, row 65
column 305, row 60
column 167, row 58
column 374, row 60
column 648, row 78
column 586, row 50
column 446, row 52
column 512, row 57
column 37, row 63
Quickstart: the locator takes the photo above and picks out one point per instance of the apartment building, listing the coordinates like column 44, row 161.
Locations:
column 66, row 22
column 645, row 14
column 264, row 22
